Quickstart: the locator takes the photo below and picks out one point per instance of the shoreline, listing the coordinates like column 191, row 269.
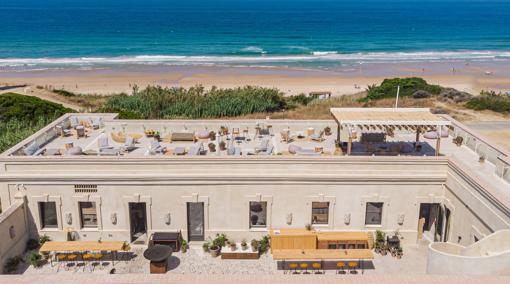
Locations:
column 465, row 76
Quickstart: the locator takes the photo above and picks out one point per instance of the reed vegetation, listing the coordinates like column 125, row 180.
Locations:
column 156, row 102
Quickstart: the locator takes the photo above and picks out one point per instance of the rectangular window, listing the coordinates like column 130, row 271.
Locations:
column 320, row 213
column 374, row 213
column 48, row 212
column 258, row 214
column 88, row 214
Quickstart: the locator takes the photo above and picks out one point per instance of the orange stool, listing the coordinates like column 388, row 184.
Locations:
column 352, row 267
column 317, row 267
column 341, row 267
column 293, row 266
column 304, row 266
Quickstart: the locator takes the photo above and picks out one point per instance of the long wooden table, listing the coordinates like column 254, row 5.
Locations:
column 83, row 246
column 322, row 254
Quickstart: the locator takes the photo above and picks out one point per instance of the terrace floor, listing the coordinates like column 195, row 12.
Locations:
column 195, row 261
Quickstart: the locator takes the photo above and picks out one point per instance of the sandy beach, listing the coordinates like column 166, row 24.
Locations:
column 469, row 77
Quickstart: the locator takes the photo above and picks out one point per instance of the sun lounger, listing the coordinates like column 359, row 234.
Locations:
column 129, row 145
column 102, row 143
column 179, row 151
column 264, row 143
column 97, row 122
column 196, row 149
column 156, row 148
column 268, row 151
column 33, row 149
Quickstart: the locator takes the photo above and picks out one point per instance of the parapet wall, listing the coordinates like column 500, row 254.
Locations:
column 14, row 232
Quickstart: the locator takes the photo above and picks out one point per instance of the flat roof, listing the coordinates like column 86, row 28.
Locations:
column 387, row 116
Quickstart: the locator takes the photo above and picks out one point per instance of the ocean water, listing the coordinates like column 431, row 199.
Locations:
column 307, row 33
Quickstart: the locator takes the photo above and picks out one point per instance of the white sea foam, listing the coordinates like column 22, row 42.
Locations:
column 321, row 56
column 254, row 49
column 322, row 53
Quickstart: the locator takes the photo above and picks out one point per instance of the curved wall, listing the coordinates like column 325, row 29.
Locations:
column 489, row 256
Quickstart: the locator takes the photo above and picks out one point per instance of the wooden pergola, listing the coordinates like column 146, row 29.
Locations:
column 384, row 119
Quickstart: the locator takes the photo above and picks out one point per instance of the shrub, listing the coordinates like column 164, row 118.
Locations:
column 408, row 86
column 34, row 259
column 15, row 106
column 64, row 93
column 21, row 116
column 32, row 244
column 220, row 240
column 491, row 101
column 264, row 244
column 12, row 264
column 43, row 239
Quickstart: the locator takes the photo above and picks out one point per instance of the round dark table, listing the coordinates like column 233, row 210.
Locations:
column 158, row 255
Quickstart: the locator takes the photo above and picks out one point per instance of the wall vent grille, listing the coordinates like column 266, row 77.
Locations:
column 85, row 188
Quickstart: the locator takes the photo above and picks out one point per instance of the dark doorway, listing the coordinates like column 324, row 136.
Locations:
column 138, row 221
column 429, row 212
column 195, row 221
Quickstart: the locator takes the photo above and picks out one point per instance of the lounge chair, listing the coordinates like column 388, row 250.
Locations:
column 33, row 149
column 156, row 148
column 179, row 151
column 264, row 143
column 318, row 136
column 233, row 150
column 74, row 121
column 285, row 136
column 62, row 131
column 102, row 143
column 97, row 122
column 129, row 145
column 196, row 149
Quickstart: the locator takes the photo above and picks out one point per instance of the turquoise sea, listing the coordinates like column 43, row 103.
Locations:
column 320, row 33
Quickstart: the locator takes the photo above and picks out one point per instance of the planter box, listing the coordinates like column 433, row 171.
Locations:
column 226, row 253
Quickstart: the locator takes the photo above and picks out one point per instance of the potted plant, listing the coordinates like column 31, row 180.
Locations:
column 214, row 249
column 223, row 146
column 157, row 136
column 34, row 258
column 233, row 245
column 254, row 245
column 377, row 248
column 481, row 159
column 212, row 135
column 205, row 246
column 184, row 246
column 244, row 245
column 400, row 252
column 212, row 147
column 458, row 140
column 223, row 130
column 379, row 238
column 384, row 249
column 327, row 131
column 308, row 227
column 264, row 244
